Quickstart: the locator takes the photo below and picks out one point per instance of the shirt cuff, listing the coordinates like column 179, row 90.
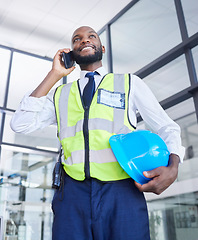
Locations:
column 179, row 152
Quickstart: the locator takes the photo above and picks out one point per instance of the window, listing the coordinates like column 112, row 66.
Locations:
column 104, row 43
column 41, row 139
column 184, row 115
column 25, row 192
column 26, row 74
column 195, row 56
column 190, row 8
column 4, row 65
column 138, row 36
column 170, row 79
column 174, row 217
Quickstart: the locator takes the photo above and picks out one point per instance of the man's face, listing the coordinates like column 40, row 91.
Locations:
column 87, row 47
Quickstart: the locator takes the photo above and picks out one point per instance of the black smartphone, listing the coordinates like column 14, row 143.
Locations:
column 68, row 59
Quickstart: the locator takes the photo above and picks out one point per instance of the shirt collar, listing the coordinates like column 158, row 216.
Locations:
column 101, row 70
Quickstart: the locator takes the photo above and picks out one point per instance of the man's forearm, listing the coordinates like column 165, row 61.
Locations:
column 46, row 85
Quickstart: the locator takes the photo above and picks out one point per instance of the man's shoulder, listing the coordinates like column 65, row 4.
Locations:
column 65, row 86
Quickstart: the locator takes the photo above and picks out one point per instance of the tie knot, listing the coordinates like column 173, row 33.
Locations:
column 91, row 74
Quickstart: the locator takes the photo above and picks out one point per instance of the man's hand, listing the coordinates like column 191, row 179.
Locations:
column 57, row 72
column 163, row 177
column 58, row 64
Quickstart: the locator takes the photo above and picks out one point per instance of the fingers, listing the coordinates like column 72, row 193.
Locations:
column 147, row 187
column 153, row 173
column 66, row 50
column 58, row 64
column 161, row 180
column 60, row 51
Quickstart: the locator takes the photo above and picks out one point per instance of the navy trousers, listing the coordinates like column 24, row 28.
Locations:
column 95, row 210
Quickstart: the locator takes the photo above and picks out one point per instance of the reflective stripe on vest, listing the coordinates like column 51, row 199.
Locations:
column 107, row 116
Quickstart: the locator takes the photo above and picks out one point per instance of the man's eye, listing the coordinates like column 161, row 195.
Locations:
column 76, row 39
column 92, row 36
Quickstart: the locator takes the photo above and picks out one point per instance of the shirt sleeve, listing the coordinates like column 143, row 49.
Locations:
column 34, row 113
column 141, row 99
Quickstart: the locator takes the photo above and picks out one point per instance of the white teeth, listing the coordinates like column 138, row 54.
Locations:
column 86, row 48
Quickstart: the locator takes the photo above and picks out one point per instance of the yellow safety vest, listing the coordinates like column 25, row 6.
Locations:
column 84, row 132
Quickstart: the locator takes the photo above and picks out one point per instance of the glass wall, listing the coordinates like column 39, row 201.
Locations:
column 174, row 214
column 195, row 56
column 0, row 120
column 143, row 38
column 42, row 139
column 25, row 193
column 27, row 72
column 184, row 115
column 4, row 61
column 103, row 39
column 170, row 79
column 26, row 161
column 190, row 8
column 174, row 218
column 138, row 36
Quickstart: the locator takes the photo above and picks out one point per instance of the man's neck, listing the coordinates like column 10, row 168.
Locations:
column 91, row 67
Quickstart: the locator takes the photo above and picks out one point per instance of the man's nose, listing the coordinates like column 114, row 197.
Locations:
column 85, row 40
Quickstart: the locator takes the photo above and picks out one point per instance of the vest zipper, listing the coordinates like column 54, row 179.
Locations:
column 86, row 139
column 86, row 133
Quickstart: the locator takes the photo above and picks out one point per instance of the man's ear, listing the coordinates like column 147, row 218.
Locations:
column 103, row 49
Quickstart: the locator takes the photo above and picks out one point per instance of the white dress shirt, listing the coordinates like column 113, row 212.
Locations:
column 37, row 113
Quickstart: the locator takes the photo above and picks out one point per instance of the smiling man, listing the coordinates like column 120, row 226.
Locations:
column 100, row 201
column 90, row 52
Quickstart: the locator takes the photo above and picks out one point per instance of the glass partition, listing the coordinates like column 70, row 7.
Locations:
column 4, row 65
column 195, row 56
column 184, row 115
column 42, row 139
column 26, row 194
column 190, row 8
column 104, row 43
column 186, row 118
column 174, row 218
column 174, row 213
column 27, row 73
column 170, row 79
column 0, row 120
column 143, row 33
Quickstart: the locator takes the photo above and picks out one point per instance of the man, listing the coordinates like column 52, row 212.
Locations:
column 100, row 201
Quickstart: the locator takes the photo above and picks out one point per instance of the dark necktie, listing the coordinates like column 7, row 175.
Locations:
column 89, row 89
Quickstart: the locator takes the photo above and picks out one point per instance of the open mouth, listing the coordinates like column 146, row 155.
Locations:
column 87, row 47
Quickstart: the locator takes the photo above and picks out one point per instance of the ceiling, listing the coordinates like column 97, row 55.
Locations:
column 42, row 27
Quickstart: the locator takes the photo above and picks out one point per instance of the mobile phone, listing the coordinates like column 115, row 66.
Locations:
column 68, row 59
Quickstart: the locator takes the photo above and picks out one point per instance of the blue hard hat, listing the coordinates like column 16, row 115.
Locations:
column 139, row 151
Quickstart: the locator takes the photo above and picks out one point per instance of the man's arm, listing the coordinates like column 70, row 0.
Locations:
column 36, row 111
column 155, row 117
column 163, row 177
column 57, row 72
